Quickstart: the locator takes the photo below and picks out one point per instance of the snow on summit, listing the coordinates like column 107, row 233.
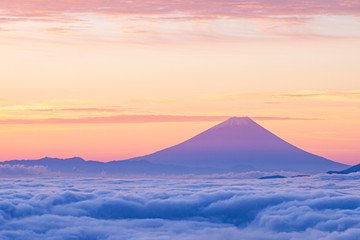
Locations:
column 236, row 121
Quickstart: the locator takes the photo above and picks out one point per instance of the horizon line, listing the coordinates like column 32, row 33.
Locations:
column 141, row 119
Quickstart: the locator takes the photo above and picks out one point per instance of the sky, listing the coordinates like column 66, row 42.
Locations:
column 108, row 80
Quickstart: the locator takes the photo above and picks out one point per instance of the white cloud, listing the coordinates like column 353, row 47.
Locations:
column 320, row 207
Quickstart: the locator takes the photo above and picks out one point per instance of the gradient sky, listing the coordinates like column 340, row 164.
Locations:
column 113, row 79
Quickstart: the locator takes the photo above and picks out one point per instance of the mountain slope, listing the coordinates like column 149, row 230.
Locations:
column 241, row 144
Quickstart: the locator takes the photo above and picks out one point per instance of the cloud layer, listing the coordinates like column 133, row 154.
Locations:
column 320, row 207
column 204, row 9
column 136, row 119
column 338, row 96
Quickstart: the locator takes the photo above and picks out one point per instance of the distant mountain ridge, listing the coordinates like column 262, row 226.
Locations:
column 235, row 145
column 78, row 166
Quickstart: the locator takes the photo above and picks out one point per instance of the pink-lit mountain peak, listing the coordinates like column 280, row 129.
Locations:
column 234, row 134
column 241, row 143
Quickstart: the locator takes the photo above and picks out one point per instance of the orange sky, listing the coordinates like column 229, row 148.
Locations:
column 114, row 81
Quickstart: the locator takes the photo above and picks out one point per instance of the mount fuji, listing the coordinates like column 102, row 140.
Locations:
column 236, row 145
column 240, row 144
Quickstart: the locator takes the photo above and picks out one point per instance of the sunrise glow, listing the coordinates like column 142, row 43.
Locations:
column 109, row 80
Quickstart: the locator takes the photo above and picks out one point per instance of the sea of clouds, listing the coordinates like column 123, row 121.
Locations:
column 315, row 207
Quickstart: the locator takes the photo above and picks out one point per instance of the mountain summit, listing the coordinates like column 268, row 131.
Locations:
column 240, row 144
column 236, row 121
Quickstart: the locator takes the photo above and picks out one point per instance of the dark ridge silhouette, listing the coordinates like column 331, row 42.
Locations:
column 352, row 169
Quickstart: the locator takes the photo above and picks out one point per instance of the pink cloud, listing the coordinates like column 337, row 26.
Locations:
column 135, row 119
column 284, row 118
column 273, row 103
column 347, row 96
column 78, row 110
column 201, row 9
column 354, row 93
column 59, row 30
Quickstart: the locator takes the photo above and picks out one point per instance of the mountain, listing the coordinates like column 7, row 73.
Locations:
column 352, row 169
column 236, row 145
column 240, row 144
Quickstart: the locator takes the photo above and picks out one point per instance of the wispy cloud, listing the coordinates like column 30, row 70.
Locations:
column 152, row 100
column 277, row 97
column 284, row 19
column 329, row 95
column 49, row 108
column 284, row 118
column 273, row 103
column 77, row 109
column 134, row 119
column 59, row 30
column 204, row 9
column 351, row 96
